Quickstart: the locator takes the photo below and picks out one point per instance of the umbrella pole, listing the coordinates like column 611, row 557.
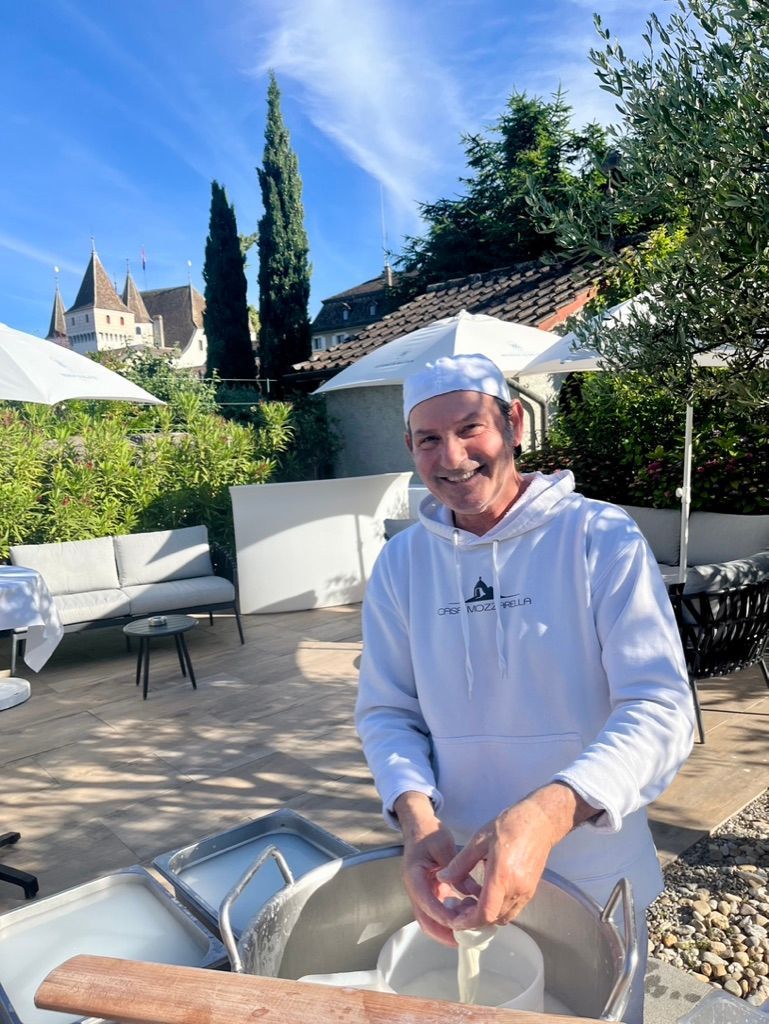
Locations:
column 685, row 494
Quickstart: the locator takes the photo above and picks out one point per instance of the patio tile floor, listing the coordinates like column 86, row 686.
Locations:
column 96, row 779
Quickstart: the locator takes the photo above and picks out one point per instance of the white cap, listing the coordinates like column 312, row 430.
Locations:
column 454, row 373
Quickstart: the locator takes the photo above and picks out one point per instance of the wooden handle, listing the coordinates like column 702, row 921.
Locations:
column 143, row 993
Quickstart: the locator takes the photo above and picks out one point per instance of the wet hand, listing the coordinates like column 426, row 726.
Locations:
column 513, row 849
column 428, row 846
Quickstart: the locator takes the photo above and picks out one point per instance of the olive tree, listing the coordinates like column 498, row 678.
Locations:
column 691, row 143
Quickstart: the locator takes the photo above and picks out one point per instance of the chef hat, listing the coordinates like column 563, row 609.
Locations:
column 453, row 373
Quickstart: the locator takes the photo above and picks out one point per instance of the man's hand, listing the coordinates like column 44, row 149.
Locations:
column 428, row 846
column 514, row 848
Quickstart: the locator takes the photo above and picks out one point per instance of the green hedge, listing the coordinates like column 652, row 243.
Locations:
column 622, row 435
column 91, row 469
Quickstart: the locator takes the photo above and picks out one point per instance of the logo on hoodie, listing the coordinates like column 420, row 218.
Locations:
column 482, row 600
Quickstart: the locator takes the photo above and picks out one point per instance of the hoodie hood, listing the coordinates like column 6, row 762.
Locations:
column 545, row 496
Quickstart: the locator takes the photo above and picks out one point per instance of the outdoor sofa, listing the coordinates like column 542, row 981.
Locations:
column 725, row 550
column 109, row 581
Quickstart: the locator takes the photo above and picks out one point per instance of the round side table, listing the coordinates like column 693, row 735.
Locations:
column 175, row 626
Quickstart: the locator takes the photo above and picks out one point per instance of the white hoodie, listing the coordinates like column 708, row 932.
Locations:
column 544, row 650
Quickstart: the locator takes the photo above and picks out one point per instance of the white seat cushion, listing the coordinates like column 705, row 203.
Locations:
column 163, row 555
column 662, row 529
column 71, row 567
column 96, row 604
column 722, row 575
column 393, row 526
column 721, row 537
column 148, row 599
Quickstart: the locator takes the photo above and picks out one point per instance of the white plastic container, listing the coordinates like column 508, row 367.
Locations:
column 512, row 972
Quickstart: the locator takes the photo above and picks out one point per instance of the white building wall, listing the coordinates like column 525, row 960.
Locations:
column 369, row 422
column 195, row 353
column 114, row 329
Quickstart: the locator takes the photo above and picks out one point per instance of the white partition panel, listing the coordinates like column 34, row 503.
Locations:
column 312, row 544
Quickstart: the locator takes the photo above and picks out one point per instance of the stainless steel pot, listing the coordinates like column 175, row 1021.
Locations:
column 337, row 917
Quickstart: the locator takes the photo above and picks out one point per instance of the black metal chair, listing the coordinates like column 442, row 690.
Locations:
column 722, row 632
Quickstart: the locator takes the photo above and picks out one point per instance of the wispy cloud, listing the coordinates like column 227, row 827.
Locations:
column 368, row 79
column 43, row 256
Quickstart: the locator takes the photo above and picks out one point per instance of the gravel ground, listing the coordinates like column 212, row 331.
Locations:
column 712, row 920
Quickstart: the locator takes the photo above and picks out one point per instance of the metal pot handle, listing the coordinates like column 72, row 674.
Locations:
column 225, row 925
column 615, row 1004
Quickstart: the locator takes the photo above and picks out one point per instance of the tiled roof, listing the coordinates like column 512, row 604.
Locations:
column 376, row 284
column 182, row 311
column 350, row 311
column 133, row 299
column 97, row 290
column 534, row 294
column 58, row 328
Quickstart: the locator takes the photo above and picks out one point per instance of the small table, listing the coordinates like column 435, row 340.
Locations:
column 175, row 626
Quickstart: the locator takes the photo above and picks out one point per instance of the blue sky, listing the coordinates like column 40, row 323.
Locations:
column 115, row 118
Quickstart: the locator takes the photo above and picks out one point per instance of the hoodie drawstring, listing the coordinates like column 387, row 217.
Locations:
column 501, row 659
column 463, row 615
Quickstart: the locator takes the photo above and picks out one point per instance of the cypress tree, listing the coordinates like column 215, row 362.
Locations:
column 284, row 272
column 226, row 315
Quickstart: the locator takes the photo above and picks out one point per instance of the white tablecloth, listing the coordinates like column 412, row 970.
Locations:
column 26, row 601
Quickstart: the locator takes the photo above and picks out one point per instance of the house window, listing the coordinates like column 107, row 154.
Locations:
column 138, row 330
column 86, row 318
column 318, row 344
column 346, row 313
column 122, row 321
column 372, row 309
column 72, row 319
column 109, row 318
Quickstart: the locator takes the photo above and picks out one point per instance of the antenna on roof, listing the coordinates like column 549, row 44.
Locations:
column 388, row 274
column 189, row 273
column 56, row 276
column 384, row 225
column 93, row 243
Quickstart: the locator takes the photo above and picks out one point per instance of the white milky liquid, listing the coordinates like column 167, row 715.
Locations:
column 213, row 877
column 470, row 944
column 441, row 983
column 127, row 920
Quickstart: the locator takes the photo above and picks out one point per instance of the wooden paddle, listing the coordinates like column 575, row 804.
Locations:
column 143, row 993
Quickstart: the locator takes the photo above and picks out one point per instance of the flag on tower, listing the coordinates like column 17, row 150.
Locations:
column 144, row 259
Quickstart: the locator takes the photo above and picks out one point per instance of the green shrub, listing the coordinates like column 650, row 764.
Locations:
column 622, row 435
column 90, row 469
column 314, row 443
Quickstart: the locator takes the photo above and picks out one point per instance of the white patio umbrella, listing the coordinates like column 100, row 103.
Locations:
column 509, row 345
column 563, row 357
column 33, row 370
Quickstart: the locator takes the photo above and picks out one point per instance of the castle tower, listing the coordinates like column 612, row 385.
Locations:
column 132, row 298
column 57, row 331
column 99, row 319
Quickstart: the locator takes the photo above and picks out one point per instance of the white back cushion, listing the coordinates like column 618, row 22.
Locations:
column 71, row 567
column 720, row 537
column 163, row 555
column 661, row 527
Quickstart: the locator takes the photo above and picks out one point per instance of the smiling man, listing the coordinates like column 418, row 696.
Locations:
column 523, row 691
